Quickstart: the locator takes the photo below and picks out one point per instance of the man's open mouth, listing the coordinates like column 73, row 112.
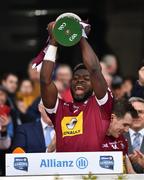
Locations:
column 79, row 89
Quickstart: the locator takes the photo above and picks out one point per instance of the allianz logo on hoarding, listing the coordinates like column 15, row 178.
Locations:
column 80, row 163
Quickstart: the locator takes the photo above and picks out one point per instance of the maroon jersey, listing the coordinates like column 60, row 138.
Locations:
column 115, row 144
column 81, row 126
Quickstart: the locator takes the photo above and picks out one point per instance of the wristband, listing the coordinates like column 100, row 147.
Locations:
column 50, row 54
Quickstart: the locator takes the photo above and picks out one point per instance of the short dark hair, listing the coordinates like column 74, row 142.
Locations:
column 123, row 106
column 6, row 75
column 79, row 66
column 117, row 82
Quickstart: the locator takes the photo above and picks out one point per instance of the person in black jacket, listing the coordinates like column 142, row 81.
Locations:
column 37, row 136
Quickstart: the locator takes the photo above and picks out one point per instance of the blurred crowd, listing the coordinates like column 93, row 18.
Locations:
column 24, row 121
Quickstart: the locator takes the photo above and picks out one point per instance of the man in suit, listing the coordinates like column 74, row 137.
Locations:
column 136, row 133
column 36, row 136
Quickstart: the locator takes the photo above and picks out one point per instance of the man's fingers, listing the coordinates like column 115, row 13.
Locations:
column 141, row 155
column 51, row 25
column 133, row 157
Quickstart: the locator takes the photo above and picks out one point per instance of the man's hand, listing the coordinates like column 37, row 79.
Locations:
column 133, row 157
column 52, row 145
column 137, row 157
column 140, row 159
column 141, row 76
column 50, row 27
column 85, row 27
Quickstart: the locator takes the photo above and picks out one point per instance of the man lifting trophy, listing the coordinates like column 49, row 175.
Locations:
column 81, row 125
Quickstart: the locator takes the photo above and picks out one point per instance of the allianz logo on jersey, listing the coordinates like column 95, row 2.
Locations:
column 21, row 163
column 106, row 162
column 80, row 163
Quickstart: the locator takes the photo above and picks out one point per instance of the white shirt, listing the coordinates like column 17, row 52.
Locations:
column 132, row 135
column 44, row 125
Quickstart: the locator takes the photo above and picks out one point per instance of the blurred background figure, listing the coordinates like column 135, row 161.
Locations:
column 5, row 119
column 117, row 87
column 36, row 136
column 63, row 75
column 10, row 83
column 33, row 112
column 128, row 86
column 25, row 96
column 5, row 141
column 6, row 128
column 34, row 77
column 111, row 63
column 135, row 136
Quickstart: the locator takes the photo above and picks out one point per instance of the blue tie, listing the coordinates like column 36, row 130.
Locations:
column 136, row 141
column 47, row 135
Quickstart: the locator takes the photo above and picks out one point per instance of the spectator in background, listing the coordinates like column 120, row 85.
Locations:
column 122, row 117
column 135, row 136
column 111, row 63
column 6, row 128
column 5, row 142
column 63, row 76
column 34, row 76
column 127, row 86
column 10, row 82
column 33, row 111
column 36, row 136
column 25, row 97
column 5, row 119
column 117, row 87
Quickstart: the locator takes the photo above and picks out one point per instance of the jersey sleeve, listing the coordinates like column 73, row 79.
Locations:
column 106, row 103
column 52, row 112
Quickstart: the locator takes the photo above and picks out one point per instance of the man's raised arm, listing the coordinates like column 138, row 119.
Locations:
column 92, row 64
column 49, row 91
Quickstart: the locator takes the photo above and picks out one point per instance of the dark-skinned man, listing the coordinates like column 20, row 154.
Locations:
column 81, row 125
